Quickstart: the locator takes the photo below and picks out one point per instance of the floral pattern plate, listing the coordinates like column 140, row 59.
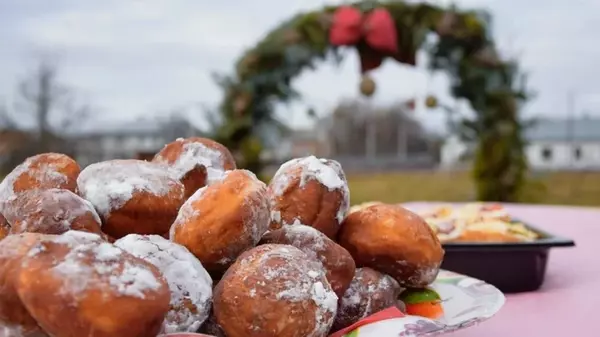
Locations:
column 466, row 301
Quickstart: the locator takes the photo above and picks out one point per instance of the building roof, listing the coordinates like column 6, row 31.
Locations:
column 11, row 140
column 116, row 128
column 582, row 129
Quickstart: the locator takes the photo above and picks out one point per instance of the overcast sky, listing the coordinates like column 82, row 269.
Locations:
column 137, row 57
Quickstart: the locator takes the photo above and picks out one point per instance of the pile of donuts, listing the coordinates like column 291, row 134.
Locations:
column 188, row 243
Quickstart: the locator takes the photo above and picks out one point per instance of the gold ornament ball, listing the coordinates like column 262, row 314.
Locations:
column 367, row 86
column 431, row 102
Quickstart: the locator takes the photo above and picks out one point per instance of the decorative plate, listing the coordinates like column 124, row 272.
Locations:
column 466, row 301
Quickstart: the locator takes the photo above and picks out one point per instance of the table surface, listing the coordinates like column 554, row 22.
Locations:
column 569, row 300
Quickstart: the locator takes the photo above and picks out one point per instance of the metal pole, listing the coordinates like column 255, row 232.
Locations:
column 371, row 131
column 399, row 136
column 571, row 125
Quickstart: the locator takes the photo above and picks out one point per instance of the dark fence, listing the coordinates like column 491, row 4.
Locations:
column 379, row 163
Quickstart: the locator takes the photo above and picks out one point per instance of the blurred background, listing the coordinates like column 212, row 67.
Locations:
column 100, row 80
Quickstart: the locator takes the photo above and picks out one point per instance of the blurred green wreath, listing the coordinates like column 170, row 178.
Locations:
column 387, row 30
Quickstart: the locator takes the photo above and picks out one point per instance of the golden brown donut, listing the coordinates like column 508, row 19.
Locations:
column 309, row 191
column 196, row 161
column 275, row 291
column 4, row 227
column 132, row 196
column 52, row 211
column 43, row 171
column 222, row 220
column 336, row 260
column 15, row 320
column 369, row 292
column 363, row 205
column 189, row 283
column 394, row 241
column 76, row 284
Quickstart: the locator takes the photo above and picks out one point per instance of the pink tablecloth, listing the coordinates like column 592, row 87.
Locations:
column 568, row 304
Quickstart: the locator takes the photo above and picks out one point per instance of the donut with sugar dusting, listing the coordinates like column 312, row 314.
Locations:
column 309, row 191
column 132, row 196
column 15, row 320
column 394, row 241
column 100, row 289
column 42, row 171
column 52, row 211
column 4, row 227
column 222, row 220
column 369, row 292
column 275, row 291
column 190, row 284
column 196, row 161
column 336, row 260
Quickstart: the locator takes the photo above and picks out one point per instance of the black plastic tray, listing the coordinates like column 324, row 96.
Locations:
column 511, row 267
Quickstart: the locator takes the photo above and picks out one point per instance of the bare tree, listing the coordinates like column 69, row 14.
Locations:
column 52, row 107
column 7, row 120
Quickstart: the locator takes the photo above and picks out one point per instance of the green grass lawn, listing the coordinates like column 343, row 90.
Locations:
column 567, row 188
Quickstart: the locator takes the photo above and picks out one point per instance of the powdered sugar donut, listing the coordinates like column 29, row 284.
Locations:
column 222, row 220
column 275, row 290
column 52, row 211
column 394, row 241
column 43, row 171
column 190, row 284
column 309, row 191
column 336, row 260
column 4, row 227
column 132, row 196
column 369, row 292
column 99, row 288
column 196, row 161
column 15, row 320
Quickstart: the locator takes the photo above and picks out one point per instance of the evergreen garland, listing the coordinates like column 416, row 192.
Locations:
column 464, row 50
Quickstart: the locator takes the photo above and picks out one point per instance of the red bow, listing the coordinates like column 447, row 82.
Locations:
column 374, row 34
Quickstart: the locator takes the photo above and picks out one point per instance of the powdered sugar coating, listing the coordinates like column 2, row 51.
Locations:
column 189, row 282
column 327, row 172
column 337, row 262
column 110, row 185
column 313, row 168
column 12, row 330
column 47, row 175
column 258, row 218
column 301, row 235
column 13, row 246
column 255, row 204
column 298, row 279
column 187, row 212
column 369, row 292
column 92, row 263
column 51, row 211
column 425, row 274
column 192, row 154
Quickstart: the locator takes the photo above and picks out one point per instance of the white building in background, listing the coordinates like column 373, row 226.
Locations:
column 553, row 144
column 139, row 139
